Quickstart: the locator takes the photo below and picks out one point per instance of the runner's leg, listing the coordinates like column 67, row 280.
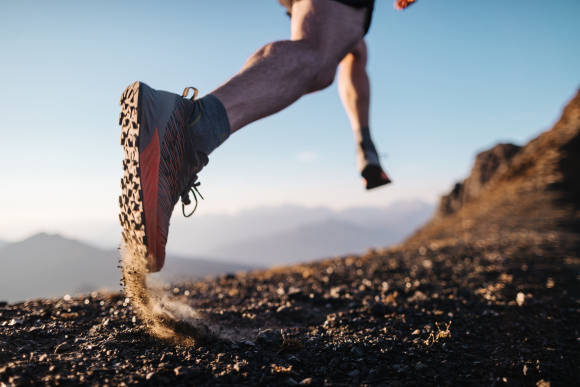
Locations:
column 322, row 33
column 354, row 86
column 354, row 91
column 167, row 138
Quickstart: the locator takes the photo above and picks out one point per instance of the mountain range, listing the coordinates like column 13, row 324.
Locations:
column 47, row 265
column 242, row 234
column 346, row 232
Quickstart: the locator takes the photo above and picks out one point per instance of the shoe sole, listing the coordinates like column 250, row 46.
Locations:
column 132, row 215
column 373, row 181
column 380, row 184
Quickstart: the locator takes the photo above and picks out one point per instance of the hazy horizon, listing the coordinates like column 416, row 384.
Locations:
column 216, row 233
column 54, row 263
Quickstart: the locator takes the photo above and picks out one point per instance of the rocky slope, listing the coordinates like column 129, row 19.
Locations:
column 536, row 187
column 487, row 165
column 487, row 293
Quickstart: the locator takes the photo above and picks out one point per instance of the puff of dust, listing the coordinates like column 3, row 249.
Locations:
column 164, row 318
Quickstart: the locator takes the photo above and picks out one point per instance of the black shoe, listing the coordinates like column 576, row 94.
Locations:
column 374, row 176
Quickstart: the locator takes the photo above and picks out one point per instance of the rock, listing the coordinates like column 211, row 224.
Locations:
column 520, row 299
column 338, row 291
column 249, row 343
column 378, row 309
column 62, row 347
column 295, row 293
column 15, row 321
column 15, row 380
column 418, row 296
column 420, row 366
column 486, row 165
column 269, row 338
column 357, row 352
column 287, row 311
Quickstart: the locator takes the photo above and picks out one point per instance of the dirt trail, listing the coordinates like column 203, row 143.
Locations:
column 444, row 313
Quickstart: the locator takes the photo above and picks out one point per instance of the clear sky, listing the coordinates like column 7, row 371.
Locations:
column 449, row 78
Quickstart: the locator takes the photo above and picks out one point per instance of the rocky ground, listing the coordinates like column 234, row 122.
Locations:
column 496, row 312
column 486, row 294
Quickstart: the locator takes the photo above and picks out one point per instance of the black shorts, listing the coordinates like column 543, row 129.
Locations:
column 368, row 4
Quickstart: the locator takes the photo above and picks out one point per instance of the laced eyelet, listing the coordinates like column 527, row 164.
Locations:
column 186, row 200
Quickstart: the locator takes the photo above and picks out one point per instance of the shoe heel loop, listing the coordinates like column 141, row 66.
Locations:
column 187, row 90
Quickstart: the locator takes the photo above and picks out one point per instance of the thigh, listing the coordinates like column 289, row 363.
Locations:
column 330, row 27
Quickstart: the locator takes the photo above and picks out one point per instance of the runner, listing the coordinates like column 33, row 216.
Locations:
column 167, row 138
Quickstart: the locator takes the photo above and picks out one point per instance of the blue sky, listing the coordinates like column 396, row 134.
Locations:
column 449, row 78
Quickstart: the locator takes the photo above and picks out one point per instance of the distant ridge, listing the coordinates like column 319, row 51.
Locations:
column 49, row 265
column 353, row 230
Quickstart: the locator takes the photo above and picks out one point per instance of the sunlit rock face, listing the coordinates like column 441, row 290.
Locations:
column 534, row 187
column 487, row 165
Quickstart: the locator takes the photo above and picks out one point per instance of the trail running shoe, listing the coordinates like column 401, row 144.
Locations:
column 374, row 176
column 159, row 166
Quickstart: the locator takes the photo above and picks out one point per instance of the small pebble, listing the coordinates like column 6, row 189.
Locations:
column 520, row 299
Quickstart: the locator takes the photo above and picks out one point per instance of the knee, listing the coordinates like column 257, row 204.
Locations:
column 320, row 70
column 323, row 77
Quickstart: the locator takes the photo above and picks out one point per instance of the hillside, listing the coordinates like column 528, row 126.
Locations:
column 49, row 265
column 529, row 189
column 484, row 294
column 52, row 266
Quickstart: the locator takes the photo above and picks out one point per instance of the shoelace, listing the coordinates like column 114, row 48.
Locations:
column 185, row 199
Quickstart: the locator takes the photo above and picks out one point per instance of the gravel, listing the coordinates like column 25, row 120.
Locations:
column 382, row 318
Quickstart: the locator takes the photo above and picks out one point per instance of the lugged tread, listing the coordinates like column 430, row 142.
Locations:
column 130, row 202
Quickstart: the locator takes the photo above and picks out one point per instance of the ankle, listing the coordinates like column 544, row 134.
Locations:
column 209, row 124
